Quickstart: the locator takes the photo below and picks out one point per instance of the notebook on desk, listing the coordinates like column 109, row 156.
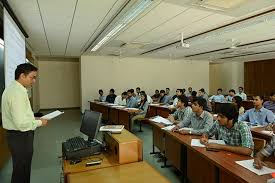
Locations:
column 112, row 128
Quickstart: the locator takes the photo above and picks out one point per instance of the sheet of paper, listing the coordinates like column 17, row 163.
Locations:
column 159, row 119
column 119, row 106
column 267, row 132
column 154, row 104
column 169, row 128
column 248, row 164
column 52, row 115
column 185, row 128
column 110, row 104
column 197, row 143
column 136, row 109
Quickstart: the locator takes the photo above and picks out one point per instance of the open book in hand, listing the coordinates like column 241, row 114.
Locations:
column 111, row 128
column 52, row 115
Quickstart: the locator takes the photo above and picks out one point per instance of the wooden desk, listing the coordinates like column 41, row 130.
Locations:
column 130, row 173
column 100, row 107
column 199, row 165
column 124, row 117
column 112, row 114
column 256, row 132
column 159, row 110
column 158, row 136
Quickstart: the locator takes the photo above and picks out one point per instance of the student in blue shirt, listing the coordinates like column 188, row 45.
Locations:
column 131, row 100
column 143, row 107
column 230, row 96
column 258, row 115
column 217, row 98
column 164, row 99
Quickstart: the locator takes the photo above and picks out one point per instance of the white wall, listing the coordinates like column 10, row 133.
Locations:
column 59, row 83
column 226, row 76
column 149, row 74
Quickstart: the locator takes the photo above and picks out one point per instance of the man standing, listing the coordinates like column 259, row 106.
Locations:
column 19, row 121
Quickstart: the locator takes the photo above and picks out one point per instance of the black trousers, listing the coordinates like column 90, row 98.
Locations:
column 21, row 148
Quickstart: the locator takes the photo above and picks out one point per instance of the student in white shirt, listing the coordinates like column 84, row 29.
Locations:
column 121, row 99
column 101, row 97
column 241, row 93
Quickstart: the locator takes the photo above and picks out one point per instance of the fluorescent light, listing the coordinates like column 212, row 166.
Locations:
column 127, row 18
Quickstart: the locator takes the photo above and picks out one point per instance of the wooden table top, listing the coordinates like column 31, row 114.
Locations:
column 129, row 173
column 107, row 161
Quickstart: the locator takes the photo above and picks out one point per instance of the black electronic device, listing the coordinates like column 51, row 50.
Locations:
column 77, row 147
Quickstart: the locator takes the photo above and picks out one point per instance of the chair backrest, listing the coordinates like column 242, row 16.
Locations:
column 258, row 144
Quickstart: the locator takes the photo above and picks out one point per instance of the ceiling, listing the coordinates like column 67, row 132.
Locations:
column 216, row 30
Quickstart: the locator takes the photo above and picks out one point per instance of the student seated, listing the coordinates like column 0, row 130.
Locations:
column 179, row 92
column 183, row 110
column 167, row 91
column 241, row 93
column 149, row 99
column 121, row 99
column 258, row 115
column 193, row 95
column 266, row 152
column 163, row 98
column 111, row 97
column 137, row 95
column 237, row 101
column 189, row 93
column 236, row 134
column 143, row 107
column 270, row 105
column 101, row 97
column 200, row 120
column 217, row 98
column 131, row 101
column 156, row 96
column 204, row 95
column 230, row 96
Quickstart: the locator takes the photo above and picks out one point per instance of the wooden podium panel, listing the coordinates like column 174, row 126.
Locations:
column 126, row 147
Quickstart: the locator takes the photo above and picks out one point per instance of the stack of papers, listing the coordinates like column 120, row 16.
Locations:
column 168, row 128
column 111, row 128
column 159, row 119
column 52, row 115
column 197, row 143
column 248, row 164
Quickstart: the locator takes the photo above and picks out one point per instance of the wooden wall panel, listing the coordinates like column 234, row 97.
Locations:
column 259, row 77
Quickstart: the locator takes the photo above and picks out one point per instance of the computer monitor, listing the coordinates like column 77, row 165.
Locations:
column 90, row 124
